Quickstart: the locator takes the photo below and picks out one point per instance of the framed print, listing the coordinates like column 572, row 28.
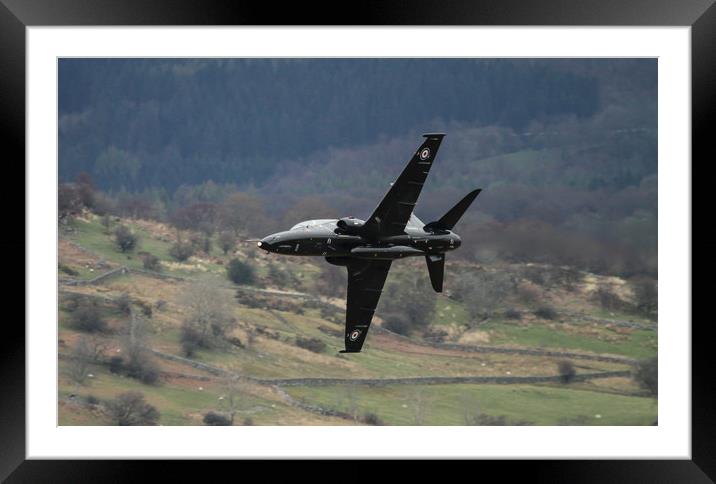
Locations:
column 219, row 203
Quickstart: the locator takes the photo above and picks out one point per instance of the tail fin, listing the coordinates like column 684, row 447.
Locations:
column 451, row 218
column 448, row 221
column 436, row 268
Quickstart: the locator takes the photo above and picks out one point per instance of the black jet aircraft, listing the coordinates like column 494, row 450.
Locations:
column 367, row 248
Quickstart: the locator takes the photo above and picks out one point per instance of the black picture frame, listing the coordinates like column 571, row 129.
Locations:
column 16, row 15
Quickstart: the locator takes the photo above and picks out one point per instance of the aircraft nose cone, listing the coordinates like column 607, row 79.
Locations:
column 264, row 244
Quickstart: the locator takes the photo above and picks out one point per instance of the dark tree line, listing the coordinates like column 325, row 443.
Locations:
column 163, row 123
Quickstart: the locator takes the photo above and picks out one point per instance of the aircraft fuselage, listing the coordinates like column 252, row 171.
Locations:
column 368, row 248
column 322, row 238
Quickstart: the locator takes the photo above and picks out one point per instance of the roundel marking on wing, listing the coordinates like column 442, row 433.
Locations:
column 424, row 153
column 354, row 335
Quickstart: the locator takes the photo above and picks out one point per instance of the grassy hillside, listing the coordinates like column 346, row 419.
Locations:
column 291, row 302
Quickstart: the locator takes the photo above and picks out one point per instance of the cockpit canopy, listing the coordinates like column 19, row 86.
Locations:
column 329, row 223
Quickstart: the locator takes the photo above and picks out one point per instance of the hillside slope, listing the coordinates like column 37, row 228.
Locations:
column 278, row 362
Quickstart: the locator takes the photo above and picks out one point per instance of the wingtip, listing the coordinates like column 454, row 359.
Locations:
column 433, row 135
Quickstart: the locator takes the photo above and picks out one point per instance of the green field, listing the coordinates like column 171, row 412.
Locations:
column 449, row 404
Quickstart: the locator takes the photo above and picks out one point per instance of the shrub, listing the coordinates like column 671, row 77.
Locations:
column 249, row 300
column 190, row 339
column 151, row 262
column 146, row 308
column 68, row 270
column 116, row 365
column 546, row 312
column 311, row 344
column 124, row 303
column 483, row 292
column 372, row 419
column 87, row 317
column 535, row 275
column 436, row 335
column 141, row 366
column 91, row 400
column 490, row 420
column 206, row 244
column 235, row 341
column 124, row 238
column 413, row 298
column 608, row 300
column 497, row 420
column 513, row 314
column 107, row 223
column 196, row 241
column 646, row 296
column 181, row 251
column 566, row 371
column 398, row 323
column 68, row 201
column 646, row 375
column 130, row 408
column 277, row 276
column 240, row 272
column 528, row 294
column 227, row 241
column 214, row 418
column 331, row 313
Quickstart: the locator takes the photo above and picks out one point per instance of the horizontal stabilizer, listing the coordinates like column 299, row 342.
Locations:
column 436, row 268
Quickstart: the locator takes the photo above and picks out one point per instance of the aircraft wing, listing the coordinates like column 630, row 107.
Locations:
column 365, row 284
column 393, row 212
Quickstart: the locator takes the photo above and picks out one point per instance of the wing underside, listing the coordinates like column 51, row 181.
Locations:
column 365, row 285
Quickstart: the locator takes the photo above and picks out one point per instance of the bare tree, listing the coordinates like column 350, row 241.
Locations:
column 227, row 241
column 68, row 202
column 82, row 356
column 107, row 223
column 231, row 399
column 646, row 296
column 130, row 408
column 242, row 212
column 140, row 363
column 305, row 208
column 483, row 292
column 208, row 318
column 566, row 371
column 412, row 302
column 646, row 374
